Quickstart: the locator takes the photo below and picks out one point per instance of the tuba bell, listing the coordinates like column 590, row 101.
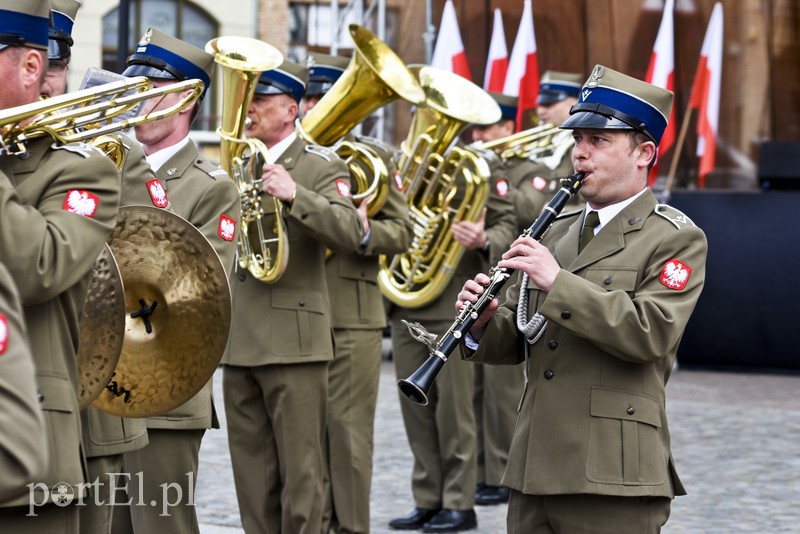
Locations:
column 374, row 78
column 443, row 184
column 263, row 247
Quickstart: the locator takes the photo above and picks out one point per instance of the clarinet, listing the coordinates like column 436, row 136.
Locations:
column 416, row 386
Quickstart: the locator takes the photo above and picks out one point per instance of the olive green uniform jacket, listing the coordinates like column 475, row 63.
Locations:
column 23, row 438
column 290, row 321
column 593, row 415
column 58, row 206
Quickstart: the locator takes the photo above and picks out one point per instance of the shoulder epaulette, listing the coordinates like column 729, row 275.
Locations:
column 83, row 149
column 209, row 168
column 675, row 216
column 489, row 155
column 321, row 151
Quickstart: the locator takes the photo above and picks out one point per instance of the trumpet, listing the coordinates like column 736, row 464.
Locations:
column 89, row 114
column 416, row 386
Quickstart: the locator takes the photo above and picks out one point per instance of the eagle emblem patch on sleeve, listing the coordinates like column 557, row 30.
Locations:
column 3, row 333
column 675, row 274
column 226, row 228
column 502, row 187
column 539, row 183
column 81, row 202
column 398, row 181
column 343, row 186
column 157, row 193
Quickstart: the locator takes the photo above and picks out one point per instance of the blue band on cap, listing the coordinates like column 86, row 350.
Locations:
column 285, row 82
column 29, row 29
column 62, row 22
column 508, row 112
column 178, row 63
column 571, row 89
column 323, row 72
column 632, row 108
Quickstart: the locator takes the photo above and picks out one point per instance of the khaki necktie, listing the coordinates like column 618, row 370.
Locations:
column 592, row 220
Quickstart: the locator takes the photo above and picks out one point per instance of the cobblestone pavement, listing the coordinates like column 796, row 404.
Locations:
column 735, row 439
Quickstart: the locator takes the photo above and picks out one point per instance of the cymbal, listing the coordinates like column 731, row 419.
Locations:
column 177, row 313
column 102, row 327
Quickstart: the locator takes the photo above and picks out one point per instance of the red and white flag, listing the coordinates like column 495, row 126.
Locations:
column 448, row 54
column 522, row 79
column 661, row 73
column 705, row 94
column 497, row 61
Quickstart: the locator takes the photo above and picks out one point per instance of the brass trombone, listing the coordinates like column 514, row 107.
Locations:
column 533, row 142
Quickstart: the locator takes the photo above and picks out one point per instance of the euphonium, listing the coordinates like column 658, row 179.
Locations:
column 533, row 142
column 263, row 247
column 88, row 114
column 443, row 184
column 374, row 78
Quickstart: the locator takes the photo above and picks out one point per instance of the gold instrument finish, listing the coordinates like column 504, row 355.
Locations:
column 102, row 328
column 444, row 184
column 531, row 143
column 263, row 247
column 375, row 77
column 87, row 114
column 177, row 313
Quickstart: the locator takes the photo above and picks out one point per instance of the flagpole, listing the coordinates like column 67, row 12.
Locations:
column 676, row 154
column 430, row 31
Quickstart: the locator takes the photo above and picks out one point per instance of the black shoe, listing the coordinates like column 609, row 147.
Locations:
column 489, row 495
column 413, row 521
column 452, row 521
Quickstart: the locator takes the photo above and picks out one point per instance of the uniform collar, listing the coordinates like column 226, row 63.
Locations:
column 159, row 158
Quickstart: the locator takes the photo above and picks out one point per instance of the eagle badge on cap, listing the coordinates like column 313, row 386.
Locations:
column 596, row 77
column 145, row 40
column 3, row 333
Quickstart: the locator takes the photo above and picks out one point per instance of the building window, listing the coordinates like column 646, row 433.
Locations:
column 181, row 18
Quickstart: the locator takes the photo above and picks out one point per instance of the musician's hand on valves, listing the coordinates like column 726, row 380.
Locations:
column 471, row 235
column 362, row 214
column 276, row 182
column 531, row 257
column 470, row 293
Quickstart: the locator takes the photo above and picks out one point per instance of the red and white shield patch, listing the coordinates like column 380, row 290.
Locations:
column 3, row 333
column 539, row 183
column 343, row 186
column 226, row 228
column 81, row 202
column 502, row 187
column 398, row 181
column 675, row 274
column 157, row 193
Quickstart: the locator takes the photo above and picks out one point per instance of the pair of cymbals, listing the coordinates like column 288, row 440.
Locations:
column 167, row 315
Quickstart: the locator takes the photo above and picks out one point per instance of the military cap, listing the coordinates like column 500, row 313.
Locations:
column 60, row 43
column 323, row 71
column 287, row 78
column 612, row 100
column 159, row 55
column 24, row 23
column 508, row 105
column 556, row 86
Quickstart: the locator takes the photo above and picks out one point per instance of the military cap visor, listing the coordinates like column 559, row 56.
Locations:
column 318, row 88
column 278, row 82
column 552, row 92
column 18, row 28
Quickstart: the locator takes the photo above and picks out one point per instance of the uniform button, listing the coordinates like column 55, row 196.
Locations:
column 242, row 278
column 302, row 303
column 608, row 281
column 39, row 397
column 549, row 374
column 304, row 216
column 631, row 410
column 552, row 344
column 566, row 314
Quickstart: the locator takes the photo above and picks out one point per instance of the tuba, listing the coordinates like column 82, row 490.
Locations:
column 263, row 247
column 443, row 184
column 375, row 77
column 531, row 143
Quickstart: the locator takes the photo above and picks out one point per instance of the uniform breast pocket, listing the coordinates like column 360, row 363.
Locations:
column 299, row 326
column 614, row 278
column 625, row 445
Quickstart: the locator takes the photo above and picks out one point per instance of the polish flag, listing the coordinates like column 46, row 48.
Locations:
column 705, row 94
column 661, row 73
column 522, row 79
column 448, row 54
column 497, row 62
